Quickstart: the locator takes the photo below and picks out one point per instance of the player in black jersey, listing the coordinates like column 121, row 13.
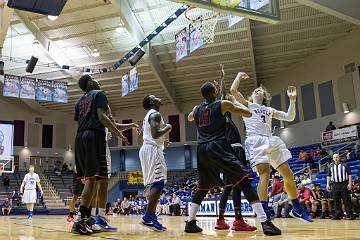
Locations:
column 233, row 137
column 215, row 156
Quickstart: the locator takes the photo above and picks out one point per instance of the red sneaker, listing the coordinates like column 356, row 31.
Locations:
column 70, row 219
column 221, row 225
column 241, row 225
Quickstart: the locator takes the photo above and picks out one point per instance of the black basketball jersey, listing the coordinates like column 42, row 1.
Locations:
column 232, row 133
column 210, row 122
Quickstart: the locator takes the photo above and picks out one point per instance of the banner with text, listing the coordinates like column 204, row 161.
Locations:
column 211, row 208
column 340, row 135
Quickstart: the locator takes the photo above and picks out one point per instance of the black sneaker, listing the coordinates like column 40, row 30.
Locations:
column 323, row 216
column 191, row 227
column 91, row 222
column 270, row 229
column 81, row 227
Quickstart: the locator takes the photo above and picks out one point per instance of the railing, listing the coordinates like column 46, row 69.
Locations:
column 337, row 151
column 48, row 186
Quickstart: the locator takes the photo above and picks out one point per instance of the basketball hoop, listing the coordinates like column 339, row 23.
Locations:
column 204, row 20
column 1, row 169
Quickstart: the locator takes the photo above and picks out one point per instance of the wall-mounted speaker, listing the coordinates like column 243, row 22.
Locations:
column 136, row 57
column 31, row 64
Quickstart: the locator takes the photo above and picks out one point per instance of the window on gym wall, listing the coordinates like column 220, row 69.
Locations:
column 308, row 101
column 326, row 98
column 47, row 136
column 174, row 135
column 276, row 103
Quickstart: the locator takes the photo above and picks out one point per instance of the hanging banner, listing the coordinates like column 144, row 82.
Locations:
column 196, row 41
column 60, row 92
column 181, row 44
column 27, row 88
column 341, row 135
column 134, row 79
column 44, row 90
column 135, row 177
column 125, row 85
column 257, row 4
column 11, row 86
column 232, row 20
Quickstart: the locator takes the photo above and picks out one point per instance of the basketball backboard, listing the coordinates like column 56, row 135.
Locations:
column 7, row 164
column 260, row 10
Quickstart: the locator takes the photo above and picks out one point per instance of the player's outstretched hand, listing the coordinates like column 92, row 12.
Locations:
column 328, row 188
column 108, row 136
column 169, row 127
column 243, row 75
column 291, row 92
column 124, row 139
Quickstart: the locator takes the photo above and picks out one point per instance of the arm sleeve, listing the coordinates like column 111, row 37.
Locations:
column 76, row 116
column 348, row 170
column 288, row 116
column 101, row 101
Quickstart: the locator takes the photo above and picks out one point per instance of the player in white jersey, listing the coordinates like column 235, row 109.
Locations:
column 152, row 159
column 28, row 188
column 264, row 149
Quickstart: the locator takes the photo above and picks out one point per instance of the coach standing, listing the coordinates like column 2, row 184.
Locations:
column 340, row 176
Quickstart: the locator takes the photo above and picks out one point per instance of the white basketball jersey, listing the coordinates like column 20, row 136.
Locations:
column 260, row 121
column 31, row 180
column 147, row 137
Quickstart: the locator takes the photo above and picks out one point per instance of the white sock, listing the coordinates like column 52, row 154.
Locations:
column 102, row 212
column 93, row 212
column 259, row 211
column 194, row 208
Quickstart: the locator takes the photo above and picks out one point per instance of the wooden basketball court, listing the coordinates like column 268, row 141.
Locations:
column 56, row 227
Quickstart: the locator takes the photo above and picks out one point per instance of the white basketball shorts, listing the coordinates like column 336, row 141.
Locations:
column 266, row 149
column 29, row 196
column 152, row 163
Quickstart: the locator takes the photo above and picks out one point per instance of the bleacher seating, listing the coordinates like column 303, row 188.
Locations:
column 62, row 183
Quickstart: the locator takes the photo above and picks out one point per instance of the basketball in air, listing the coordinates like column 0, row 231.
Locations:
column 227, row 3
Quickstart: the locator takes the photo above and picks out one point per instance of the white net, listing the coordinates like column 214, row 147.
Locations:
column 205, row 21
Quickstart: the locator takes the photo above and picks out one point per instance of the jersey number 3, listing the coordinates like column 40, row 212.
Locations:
column 263, row 118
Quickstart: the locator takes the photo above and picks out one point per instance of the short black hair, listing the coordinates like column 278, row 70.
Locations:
column 147, row 102
column 207, row 89
column 84, row 81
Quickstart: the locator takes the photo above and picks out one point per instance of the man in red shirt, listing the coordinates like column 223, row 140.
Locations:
column 277, row 188
column 304, row 197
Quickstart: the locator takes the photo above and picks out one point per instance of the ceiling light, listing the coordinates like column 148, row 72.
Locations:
column 345, row 108
column 95, row 53
column 52, row 18
column 120, row 29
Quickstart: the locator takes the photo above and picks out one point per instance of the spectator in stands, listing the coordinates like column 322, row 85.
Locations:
column 65, row 168
column 350, row 155
column 318, row 199
column 16, row 196
column 163, row 207
column 306, row 181
column 276, row 190
column 71, row 168
column 6, row 207
column 312, row 153
column 117, row 207
column 356, row 197
column 283, row 207
column 330, row 127
column 125, row 206
column 303, row 155
column 108, row 209
column 175, row 205
column 304, row 197
column 7, row 183
column 357, row 146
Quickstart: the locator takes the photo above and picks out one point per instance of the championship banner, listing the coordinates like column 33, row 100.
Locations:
column 6, row 140
column 181, row 44
column 211, row 208
column 60, row 94
column 11, row 86
column 196, row 40
column 340, row 135
column 135, row 177
column 134, row 79
column 124, row 85
column 27, row 88
column 44, row 90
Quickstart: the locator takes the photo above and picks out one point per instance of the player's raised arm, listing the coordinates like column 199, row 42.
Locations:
column 235, row 86
column 191, row 115
column 227, row 106
column 157, row 130
column 290, row 115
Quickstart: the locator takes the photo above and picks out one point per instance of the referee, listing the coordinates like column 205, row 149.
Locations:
column 340, row 176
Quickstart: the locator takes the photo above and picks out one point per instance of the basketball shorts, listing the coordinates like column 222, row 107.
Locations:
column 29, row 196
column 240, row 153
column 266, row 149
column 218, row 157
column 90, row 154
column 78, row 186
column 153, row 164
